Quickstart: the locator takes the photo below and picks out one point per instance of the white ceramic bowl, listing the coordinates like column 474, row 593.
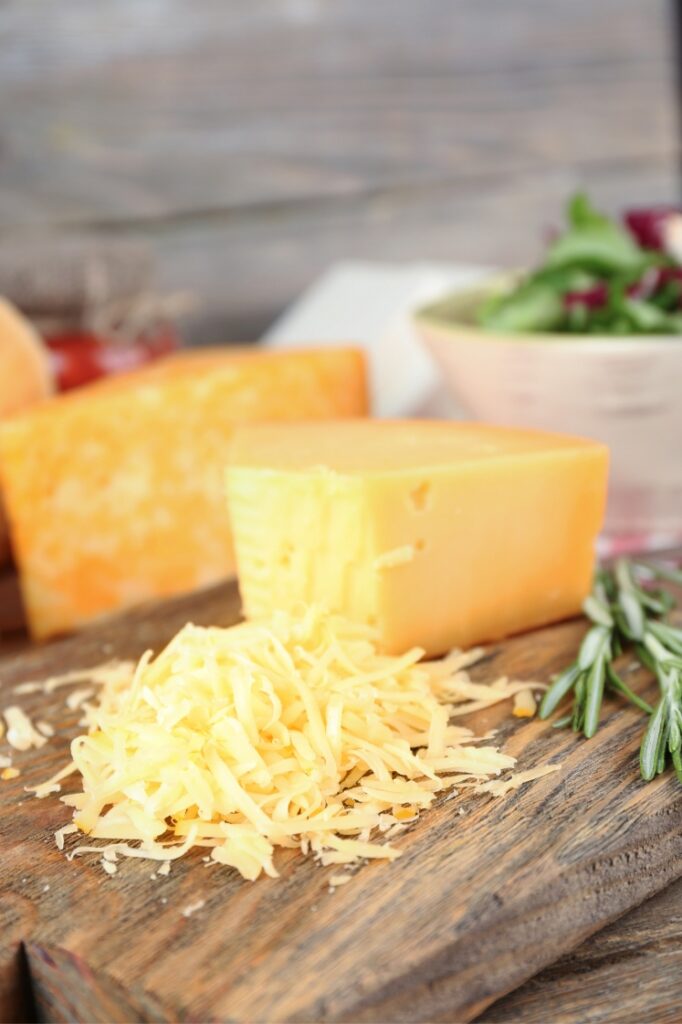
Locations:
column 624, row 391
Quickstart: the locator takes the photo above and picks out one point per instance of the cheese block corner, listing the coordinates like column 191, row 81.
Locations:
column 25, row 375
column 114, row 493
column 440, row 534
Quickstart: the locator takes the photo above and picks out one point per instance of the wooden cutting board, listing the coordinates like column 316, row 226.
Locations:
column 486, row 893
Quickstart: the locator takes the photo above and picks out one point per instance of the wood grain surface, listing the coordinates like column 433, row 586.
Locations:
column 487, row 892
column 253, row 144
column 626, row 974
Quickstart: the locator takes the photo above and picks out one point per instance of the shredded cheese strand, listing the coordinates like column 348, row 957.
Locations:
column 21, row 733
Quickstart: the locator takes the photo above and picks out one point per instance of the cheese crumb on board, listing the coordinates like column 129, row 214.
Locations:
column 53, row 784
column 500, row 787
column 193, row 907
column 77, row 698
column 21, row 733
column 290, row 732
column 9, row 773
column 64, row 831
column 524, row 704
column 113, row 671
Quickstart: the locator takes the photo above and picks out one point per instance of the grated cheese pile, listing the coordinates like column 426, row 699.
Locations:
column 293, row 732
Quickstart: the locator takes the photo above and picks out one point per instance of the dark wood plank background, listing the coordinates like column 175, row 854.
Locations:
column 253, row 143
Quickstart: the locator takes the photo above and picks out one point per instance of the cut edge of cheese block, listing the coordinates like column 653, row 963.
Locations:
column 434, row 553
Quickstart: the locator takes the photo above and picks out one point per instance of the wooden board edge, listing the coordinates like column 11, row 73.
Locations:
column 16, row 992
column 434, row 991
column 65, row 988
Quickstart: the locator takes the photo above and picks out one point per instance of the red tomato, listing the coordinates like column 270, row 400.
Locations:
column 79, row 357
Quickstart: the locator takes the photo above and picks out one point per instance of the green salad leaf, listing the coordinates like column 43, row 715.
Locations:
column 596, row 279
column 595, row 243
column 534, row 306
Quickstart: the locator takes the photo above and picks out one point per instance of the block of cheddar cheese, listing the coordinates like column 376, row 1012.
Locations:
column 115, row 492
column 25, row 375
column 441, row 534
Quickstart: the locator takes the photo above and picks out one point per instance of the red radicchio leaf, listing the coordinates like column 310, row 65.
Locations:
column 647, row 225
column 654, row 279
column 592, row 298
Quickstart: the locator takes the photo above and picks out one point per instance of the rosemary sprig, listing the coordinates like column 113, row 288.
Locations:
column 628, row 612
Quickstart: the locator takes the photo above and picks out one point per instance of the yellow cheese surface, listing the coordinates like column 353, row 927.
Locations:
column 115, row 493
column 439, row 534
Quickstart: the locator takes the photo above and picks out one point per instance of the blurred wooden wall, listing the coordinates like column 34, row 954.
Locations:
column 254, row 142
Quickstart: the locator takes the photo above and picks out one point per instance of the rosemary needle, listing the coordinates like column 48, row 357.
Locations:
column 627, row 609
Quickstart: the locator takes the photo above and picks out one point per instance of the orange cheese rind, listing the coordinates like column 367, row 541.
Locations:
column 25, row 375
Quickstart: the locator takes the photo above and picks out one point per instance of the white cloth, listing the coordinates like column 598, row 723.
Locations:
column 371, row 304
